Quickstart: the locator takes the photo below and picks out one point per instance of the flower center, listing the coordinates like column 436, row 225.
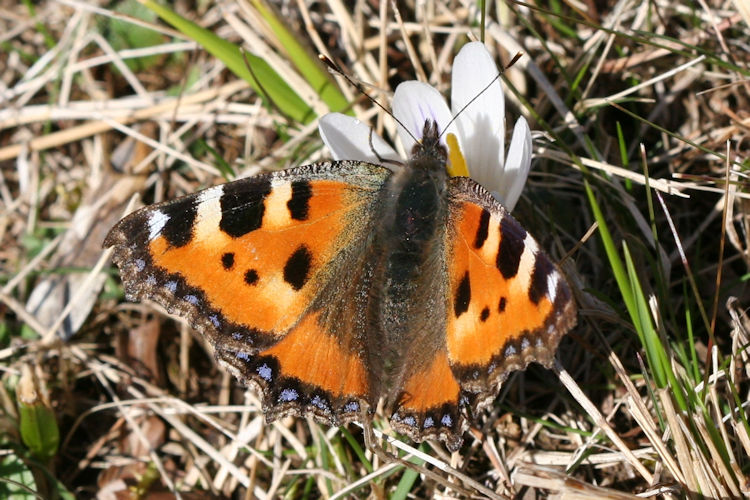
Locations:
column 456, row 161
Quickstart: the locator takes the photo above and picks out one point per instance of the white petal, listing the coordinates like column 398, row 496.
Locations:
column 349, row 139
column 479, row 110
column 413, row 104
column 517, row 165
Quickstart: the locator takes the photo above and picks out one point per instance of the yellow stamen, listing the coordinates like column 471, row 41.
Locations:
column 456, row 162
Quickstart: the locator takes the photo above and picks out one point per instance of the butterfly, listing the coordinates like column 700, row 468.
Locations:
column 337, row 286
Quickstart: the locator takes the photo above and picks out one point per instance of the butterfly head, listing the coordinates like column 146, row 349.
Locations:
column 429, row 153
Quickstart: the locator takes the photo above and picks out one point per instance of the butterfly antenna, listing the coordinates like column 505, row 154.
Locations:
column 333, row 67
column 499, row 74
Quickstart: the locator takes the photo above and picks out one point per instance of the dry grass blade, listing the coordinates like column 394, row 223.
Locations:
column 598, row 418
column 565, row 487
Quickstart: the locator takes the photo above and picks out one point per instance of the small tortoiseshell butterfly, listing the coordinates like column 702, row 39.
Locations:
column 336, row 285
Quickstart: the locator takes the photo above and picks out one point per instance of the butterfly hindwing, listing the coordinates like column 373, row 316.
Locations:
column 509, row 304
column 430, row 400
column 259, row 266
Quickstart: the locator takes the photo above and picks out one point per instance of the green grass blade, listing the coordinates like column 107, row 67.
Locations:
column 615, row 262
column 16, row 479
column 309, row 67
column 37, row 422
column 354, row 444
column 288, row 102
column 405, row 485
column 694, row 364
column 644, row 324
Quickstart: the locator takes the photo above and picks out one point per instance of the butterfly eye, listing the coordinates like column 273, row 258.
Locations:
column 456, row 160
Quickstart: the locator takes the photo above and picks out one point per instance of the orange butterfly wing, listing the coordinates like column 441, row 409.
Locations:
column 509, row 304
column 255, row 265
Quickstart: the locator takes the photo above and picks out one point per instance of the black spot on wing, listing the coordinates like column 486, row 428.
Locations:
column 299, row 203
column 538, row 287
column 502, row 304
column 463, row 296
column 251, row 276
column 511, row 247
column 178, row 230
column 227, row 261
column 485, row 314
column 243, row 206
column 297, row 267
column 483, row 229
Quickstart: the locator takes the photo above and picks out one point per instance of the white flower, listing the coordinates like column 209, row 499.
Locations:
column 475, row 140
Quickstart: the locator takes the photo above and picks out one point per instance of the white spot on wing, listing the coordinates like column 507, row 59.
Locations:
column 552, row 286
column 489, row 249
column 277, row 181
column 156, row 221
column 210, row 194
column 520, row 284
column 531, row 244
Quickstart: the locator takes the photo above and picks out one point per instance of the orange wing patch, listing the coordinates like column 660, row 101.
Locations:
column 265, row 278
column 308, row 371
column 432, row 387
column 429, row 404
column 489, row 309
column 508, row 306
column 317, row 358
